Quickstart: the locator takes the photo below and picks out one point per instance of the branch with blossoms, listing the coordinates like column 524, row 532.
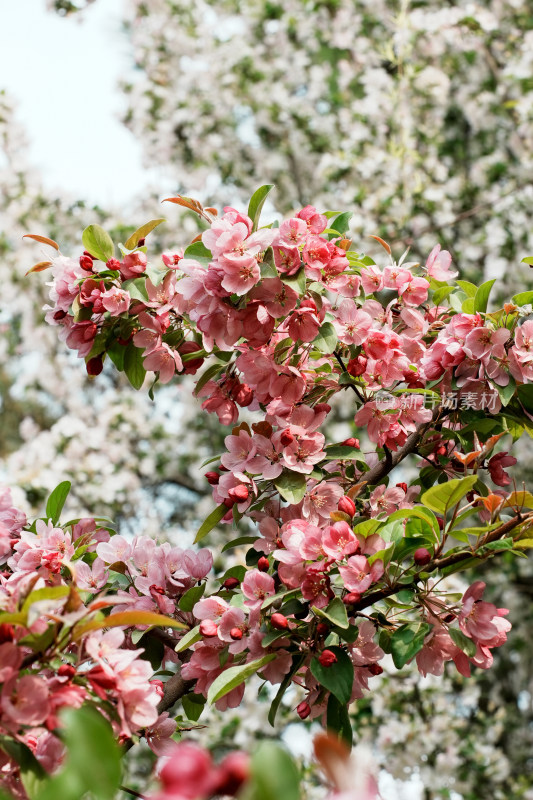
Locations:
column 281, row 321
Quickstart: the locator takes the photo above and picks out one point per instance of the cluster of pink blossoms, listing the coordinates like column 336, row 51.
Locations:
column 284, row 319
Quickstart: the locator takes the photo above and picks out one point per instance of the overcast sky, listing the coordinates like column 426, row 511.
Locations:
column 64, row 75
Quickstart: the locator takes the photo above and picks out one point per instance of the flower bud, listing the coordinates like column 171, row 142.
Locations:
column 422, row 556
column 351, row 443
column 159, row 686
column 86, row 263
column 303, row 710
column 322, row 629
column 347, row 505
column 208, row 628
column 327, row 658
column 231, row 583
column 66, row 671
column 7, row 633
column 239, row 493
column 375, row 669
column 356, row 366
column 232, row 773
column 212, row 478
column 60, row 315
column 113, row 263
column 279, row 621
column 243, row 396
column 94, row 366
column 263, row 564
column 236, row 634
column 351, row 598
column 402, row 486
column 286, row 438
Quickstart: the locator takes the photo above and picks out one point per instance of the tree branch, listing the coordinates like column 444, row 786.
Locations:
column 386, row 465
column 174, row 689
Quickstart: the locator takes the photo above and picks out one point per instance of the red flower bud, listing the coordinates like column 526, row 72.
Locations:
column 347, row 506
column 141, row 242
column 243, row 396
column 402, row 486
column 7, row 633
column 86, row 263
column 236, row 634
column 351, row 598
column 322, row 629
column 263, row 564
column 94, row 366
column 286, row 438
column 303, row 710
column 422, row 556
column 212, row 478
column 351, row 443
column 231, row 583
column 232, row 773
column 375, row 669
column 356, row 366
column 159, row 686
column 208, row 628
column 449, row 618
column 113, row 263
column 66, row 671
column 279, row 621
column 60, row 315
column 239, row 493
column 327, row 658
column 440, row 522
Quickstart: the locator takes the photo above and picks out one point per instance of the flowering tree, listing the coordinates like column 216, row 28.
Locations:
column 343, row 564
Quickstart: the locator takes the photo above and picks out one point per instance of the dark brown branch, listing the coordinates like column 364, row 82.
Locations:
column 386, row 465
column 174, row 689
column 132, row 792
column 441, row 563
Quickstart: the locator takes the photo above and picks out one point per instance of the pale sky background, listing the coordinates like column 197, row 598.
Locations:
column 64, row 74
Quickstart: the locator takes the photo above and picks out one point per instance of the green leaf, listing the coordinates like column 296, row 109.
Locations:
column 273, row 774
column 209, row 523
column 481, row 298
column 137, row 289
column 297, row 662
column 234, row 676
column 206, row 376
column 296, row 282
column 523, row 299
column 421, row 513
column 191, row 597
column 506, row 393
column 189, row 639
column 238, row 542
column 470, row 289
column 527, row 260
column 525, row 395
column 463, row 642
column 31, row 772
column 93, row 758
column 199, row 252
column 468, row 305
column 133, row 365
column 338, row 720
column 46, row 593
column 338, row 678
column 142, row 232
column 98, row 243
column 441, row 294
column 407, row 641
column 326, row 339
column 291, row 486
column 56, row 501
column 116, row 353
column 445, row 495
column 155, row 274
column 193, row 705
column 257, row 202
column 339, row 452
column 335, row 613
column 342, row 222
